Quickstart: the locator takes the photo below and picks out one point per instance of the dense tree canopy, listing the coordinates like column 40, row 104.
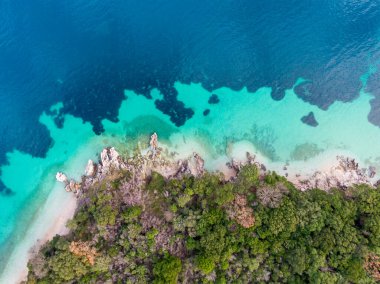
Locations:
column 255, row 229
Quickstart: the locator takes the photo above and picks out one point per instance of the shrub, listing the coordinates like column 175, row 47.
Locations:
column 156, row 182
column 167, row 269
column 205, row 264
column 248, row 177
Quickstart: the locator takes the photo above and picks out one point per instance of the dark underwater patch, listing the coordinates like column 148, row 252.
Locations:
column 177, row 111
column 214, row 99
column 309, row 119
column 146, row 125
column 305, row 151
column 373, row 86
column 206, row 112
column 4, row 191
column 92, row 52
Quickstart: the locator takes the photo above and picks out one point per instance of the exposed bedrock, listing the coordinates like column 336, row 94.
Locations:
column 343, row 175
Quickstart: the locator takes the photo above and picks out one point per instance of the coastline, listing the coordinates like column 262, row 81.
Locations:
column 48, row 222
column 51, row 219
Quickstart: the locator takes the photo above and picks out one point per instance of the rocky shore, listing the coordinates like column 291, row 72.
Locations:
column 139, row 166
column 346, row 173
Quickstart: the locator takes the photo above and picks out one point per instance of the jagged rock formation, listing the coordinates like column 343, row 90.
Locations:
column 90, row 168
column 109, row 157
column 73, row 186
column 70, row 186
column 250, row 160
column 197, row 164
column 153, row 141
column 140, row 167
column 61, row 177
column 346, row 174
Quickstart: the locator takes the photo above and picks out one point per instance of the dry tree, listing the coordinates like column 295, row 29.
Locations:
column 271, row 196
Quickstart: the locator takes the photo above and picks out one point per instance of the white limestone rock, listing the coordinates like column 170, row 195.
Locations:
column 153, row 141
column 196, row 164
column 109, row 157
column 61, row 177
column 90, row 168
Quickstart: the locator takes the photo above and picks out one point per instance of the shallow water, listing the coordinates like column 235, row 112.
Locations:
column 78, row 76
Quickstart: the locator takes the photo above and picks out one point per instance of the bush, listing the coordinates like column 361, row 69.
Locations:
column 167, row 269
column 131, row 213
column 156, row 182
column 205, row 264
column 248, row 177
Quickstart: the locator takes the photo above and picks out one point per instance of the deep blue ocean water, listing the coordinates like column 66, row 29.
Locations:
column 86, row 53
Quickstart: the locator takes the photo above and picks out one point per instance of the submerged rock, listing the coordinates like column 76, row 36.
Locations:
column 214, row 99
column 310, row 120
column 206, row 112
column 305, row 151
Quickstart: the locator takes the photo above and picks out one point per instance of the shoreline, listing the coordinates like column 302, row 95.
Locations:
column 49, row 216
column 38, row 233
column 50, row 220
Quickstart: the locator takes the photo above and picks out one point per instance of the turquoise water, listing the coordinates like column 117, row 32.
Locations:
column 239, row 116
column 77, row 76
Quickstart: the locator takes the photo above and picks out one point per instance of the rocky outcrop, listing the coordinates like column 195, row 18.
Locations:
column 70, row 185
column 61, row 177
column 347, row 173
column 90, row 168
column 110, row 158
column 153, row 141
column 371, row 172
column 196, row 165
column 250, row 160
column 169, row 168
column 141, row 166
column 235, row 165
column 73, row 186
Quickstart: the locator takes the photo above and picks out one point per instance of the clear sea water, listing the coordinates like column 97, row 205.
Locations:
column 76, row 76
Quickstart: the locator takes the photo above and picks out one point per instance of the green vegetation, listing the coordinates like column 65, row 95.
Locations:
column 255, row 229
